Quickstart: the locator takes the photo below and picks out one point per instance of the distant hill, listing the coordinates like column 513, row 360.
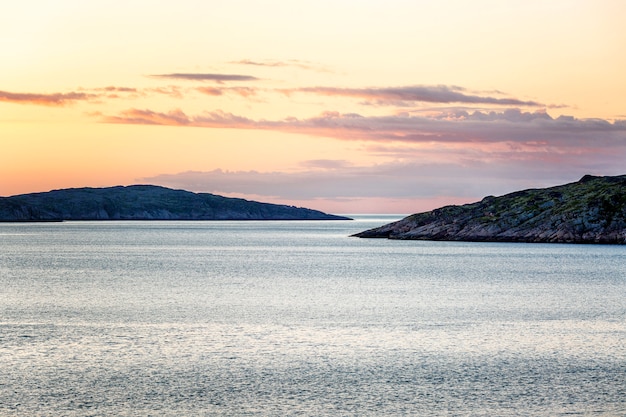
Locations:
column 144, row 202
column 592, row 210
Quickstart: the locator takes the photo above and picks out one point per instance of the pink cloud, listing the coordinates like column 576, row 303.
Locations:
column 288, row 63
column 469, row 155
column 511, row 126
column 217, row 119
column 172, row 91
column 54, row 99
column 117, row 89
column 408, row 94
column 148, row 117
column 464, row 176
column 218, row 91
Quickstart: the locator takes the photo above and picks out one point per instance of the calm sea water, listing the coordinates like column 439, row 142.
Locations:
column 298, row 319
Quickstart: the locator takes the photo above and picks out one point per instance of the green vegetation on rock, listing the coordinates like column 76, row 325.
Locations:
column 592, row 210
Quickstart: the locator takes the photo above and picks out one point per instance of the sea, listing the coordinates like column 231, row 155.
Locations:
column 297, row 318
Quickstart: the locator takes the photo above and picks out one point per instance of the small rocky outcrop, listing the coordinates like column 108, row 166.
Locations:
column 144, row 202
column 592, row 210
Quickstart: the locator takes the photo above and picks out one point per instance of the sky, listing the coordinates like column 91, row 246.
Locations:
column 343, row 106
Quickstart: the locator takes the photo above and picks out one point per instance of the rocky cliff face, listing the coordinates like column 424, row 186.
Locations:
column 592, row 210
column 144, row 202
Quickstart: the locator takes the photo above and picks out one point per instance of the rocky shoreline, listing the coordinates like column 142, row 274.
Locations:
column 592, row 210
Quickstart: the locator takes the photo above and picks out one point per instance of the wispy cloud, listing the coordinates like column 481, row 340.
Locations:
column 148, row 117
column 54, row 99
column 171, row 91
column 91, row 95
column 280, row 64
column 218, row 91
column 206, row 77
column 400, row 96
column 117, row 89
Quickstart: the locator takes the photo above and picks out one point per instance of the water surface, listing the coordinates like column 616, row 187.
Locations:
column 296, row 318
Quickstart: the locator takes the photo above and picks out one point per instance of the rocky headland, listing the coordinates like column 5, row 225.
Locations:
column 144, row 202
column 592, row 210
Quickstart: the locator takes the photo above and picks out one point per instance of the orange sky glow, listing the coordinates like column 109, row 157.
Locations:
column 348, row 107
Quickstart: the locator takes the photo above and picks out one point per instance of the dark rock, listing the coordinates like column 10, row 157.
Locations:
column 592, row 210
column 144, row 202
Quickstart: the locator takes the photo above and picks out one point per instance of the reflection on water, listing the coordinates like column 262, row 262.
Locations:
column 295, row 318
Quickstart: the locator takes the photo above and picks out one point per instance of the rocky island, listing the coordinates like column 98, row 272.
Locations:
column 144, row 202
column 592, row 210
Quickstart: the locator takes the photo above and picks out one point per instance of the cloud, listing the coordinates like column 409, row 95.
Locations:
column 469, row 180
column 148, row 117
column 511, row 126
column 177, row 117
column 172, row 91
column 218, row 91
column 387, row 181
column 93, row 95
column 279, row 64
column 326, row 163
column 394, row 187
column 117, row 89
column 452, row 154
column 469, row 156
column 207, row 77
column 114, row 92
column 54, row 99
column 411, row 94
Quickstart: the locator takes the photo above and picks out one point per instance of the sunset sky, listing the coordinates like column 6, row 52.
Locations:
column 344, row 106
